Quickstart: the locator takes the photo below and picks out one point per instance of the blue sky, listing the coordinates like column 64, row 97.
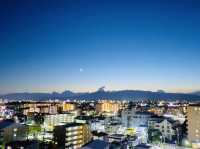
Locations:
column 84, row 44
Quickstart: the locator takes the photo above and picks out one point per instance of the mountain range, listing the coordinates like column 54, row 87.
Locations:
column 196, row 93
column 134, row 95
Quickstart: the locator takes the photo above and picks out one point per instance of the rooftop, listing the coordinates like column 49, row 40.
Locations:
column 5, row 123
column 142, row 146
column 73, row 124
column 22, row 143
column 95, row 133
column 96, row 144
column 195, row 105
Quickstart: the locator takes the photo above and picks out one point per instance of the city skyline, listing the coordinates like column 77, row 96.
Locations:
column 83, row 45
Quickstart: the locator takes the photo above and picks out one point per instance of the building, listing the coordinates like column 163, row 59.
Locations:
column 136, row 122
column 68, row 106
column 39, row 107
column 133, row 119
column 52, row 120
column 144, row 146
column 116, row 138
column 167, row 127
column 10, row 131
column 100, row 136
column 28, row 144
column 84, row 119
column 160, row 110
column 108, row 107
column 72, row 135
column 97, row 144
column 98, row 125
column 6, row 113
column 113, row 128
column 193, row 125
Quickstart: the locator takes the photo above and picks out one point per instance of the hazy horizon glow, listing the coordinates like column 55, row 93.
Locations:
column 81, row 45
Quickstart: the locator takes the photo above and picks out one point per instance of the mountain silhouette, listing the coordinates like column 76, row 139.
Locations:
column 133, row 95
column 196, row 93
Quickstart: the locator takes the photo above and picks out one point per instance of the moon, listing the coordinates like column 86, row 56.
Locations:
column 81, row 69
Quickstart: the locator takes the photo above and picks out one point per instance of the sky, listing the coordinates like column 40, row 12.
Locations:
column 81, row 45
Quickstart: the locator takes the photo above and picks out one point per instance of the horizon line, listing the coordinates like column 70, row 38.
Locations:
column 91, row 91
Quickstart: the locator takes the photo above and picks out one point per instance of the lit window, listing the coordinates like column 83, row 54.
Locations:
column 15, row 129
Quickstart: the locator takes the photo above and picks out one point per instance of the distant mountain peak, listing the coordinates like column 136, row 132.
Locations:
column 160, row 91
column 101, row 89
column 55, row 93
column 67, row 91
column 196, row 93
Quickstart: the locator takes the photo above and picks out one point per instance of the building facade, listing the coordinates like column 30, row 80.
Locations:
column 67, row 106
column 10, row 131
column 133, row 119
column 52, row 120
column 193, row 125
column 72, row 136
column 167, row 127
column 108, row 107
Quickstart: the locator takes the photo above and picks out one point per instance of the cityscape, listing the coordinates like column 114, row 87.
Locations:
column 103, row 123
column 99, row 74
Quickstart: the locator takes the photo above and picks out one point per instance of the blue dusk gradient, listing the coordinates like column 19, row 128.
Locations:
column 84, row 44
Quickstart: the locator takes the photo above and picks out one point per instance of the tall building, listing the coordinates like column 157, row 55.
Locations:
column 193, row 125
column 72, row 136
